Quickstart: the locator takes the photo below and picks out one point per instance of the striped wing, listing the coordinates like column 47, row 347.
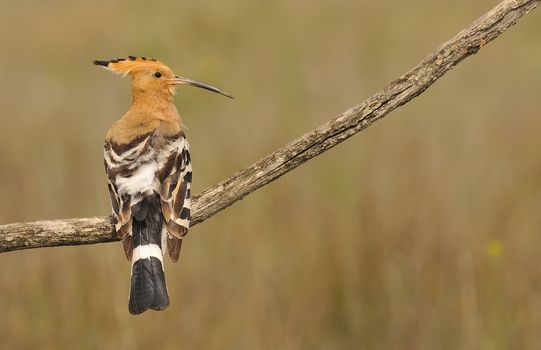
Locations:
column 151, row 164
column 123, row 165
column 175, row 177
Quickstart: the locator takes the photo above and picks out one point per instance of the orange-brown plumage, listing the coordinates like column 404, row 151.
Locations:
column 149, row 173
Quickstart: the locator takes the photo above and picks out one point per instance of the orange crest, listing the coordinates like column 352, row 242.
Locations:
column 131, row 65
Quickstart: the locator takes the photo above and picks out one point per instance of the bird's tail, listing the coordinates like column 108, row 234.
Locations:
column 148, row 289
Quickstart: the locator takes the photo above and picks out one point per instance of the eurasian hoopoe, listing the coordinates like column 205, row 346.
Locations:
column 149, row 172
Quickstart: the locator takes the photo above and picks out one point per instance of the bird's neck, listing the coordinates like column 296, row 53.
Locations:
column 155, row 100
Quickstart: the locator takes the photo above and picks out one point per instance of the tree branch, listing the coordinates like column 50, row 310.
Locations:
column 216, row 198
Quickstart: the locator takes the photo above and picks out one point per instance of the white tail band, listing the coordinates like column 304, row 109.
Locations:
column 145, row 252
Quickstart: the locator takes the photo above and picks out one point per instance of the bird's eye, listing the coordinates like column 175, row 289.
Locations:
column 157, row 74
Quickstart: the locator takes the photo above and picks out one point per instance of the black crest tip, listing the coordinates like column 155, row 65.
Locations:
column 101, row 63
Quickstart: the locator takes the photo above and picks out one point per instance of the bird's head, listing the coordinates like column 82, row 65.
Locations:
column 150, row 76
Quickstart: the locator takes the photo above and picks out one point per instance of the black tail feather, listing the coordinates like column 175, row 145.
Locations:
column 148, row 288
column 161, row 298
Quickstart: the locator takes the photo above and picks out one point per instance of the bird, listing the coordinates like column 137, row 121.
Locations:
column 149, row 174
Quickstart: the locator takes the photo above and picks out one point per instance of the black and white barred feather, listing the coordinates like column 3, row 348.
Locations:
column 149, row 180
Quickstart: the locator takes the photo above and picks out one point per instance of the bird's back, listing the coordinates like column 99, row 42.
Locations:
column 145, row 155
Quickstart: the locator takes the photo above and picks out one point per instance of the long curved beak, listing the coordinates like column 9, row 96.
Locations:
column 181, row 80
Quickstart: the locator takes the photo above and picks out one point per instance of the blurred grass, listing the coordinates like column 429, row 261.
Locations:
column 385, row 242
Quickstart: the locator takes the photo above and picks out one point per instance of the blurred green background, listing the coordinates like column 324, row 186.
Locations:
column 422, row 232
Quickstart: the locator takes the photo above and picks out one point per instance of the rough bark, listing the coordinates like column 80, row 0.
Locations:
column 466, row 43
